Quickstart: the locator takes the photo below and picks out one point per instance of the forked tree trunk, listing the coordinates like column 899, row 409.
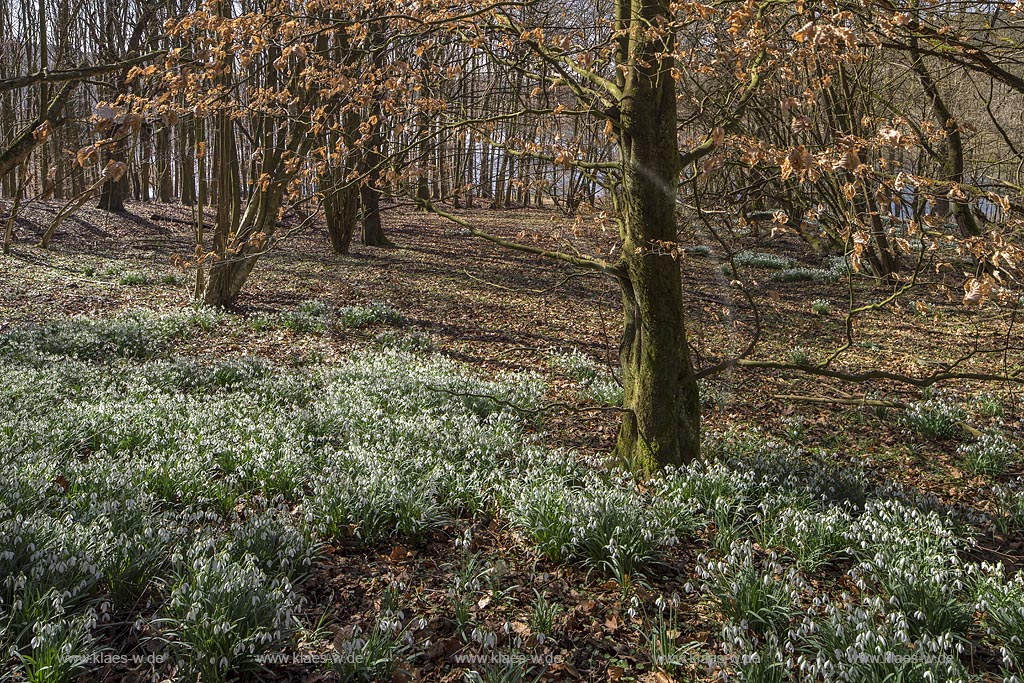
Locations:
column 256, row 226
column 226, row 278
column 228, row 275
column 661, row 422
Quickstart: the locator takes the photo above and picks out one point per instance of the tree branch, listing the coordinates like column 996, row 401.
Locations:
column 27, row 140
column 77, row 74
column 599, row 265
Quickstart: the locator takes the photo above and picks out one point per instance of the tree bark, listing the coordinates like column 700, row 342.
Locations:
column 423, row 174
column 146, row 161
column 661, row 423
column 187, row 161
column 952, row 148
column 44, row 97
column 13, row 215
column 372, row 157
column 369, row 192
column 228, row 182
column 373, row 231
column 164, row 186
column 112, row 194
column 229, row 273
column 341, row 210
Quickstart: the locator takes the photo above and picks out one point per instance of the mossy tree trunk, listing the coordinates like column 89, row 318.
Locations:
column 661, row 422
column 230, row 272
column 251, row 229
column 256, row 224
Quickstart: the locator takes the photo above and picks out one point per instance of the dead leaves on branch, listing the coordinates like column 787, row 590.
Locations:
column 801, row 163
column 239, row 247
column 976, row 290
column 42, row 131
column 115, row 170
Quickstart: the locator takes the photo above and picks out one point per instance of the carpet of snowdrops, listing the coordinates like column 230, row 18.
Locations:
column 161, row 513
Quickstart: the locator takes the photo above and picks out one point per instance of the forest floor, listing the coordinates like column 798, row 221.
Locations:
column 505, row 310
column 438, row 292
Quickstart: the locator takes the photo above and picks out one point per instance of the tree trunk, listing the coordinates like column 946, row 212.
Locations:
column 499, row 182
column 373, row 232
column 13, row 215
column 423, row 176
column 227, row 276
column 44, row 97
column 456, row 171
column 230, row 271
column 146, row 162
column 187, row 162
column 510, row 185
column 485, row 187
column 341, row 209
column 661, row 425
column 164, row 188
column 469, row 180
column 114, row 189
column 952, row 148
column 77, row 179
column 372, row 156
column 227, row 181
column 7, row 119
column 441, row 188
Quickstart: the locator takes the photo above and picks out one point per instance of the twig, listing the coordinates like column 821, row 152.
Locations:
column 527, row 289
column 1015, row 377
column 546, row 408
column 865, row 401
column 599, row 265
column 846, row 401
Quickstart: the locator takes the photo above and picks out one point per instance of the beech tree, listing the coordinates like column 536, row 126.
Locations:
column 613, row 68
column 624, row 82
column 832, row 120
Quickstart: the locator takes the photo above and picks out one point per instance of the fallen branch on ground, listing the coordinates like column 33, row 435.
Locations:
column 864, row 401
